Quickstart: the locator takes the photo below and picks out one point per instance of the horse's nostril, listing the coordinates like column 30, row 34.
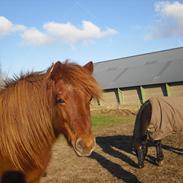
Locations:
column 80, row 146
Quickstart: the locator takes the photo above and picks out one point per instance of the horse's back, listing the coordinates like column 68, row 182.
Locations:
column 167, row 116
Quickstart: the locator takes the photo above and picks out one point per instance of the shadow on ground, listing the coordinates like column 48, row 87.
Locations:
column 152, row 159
column 178, row 151
column 120, row 146
column 111, row 145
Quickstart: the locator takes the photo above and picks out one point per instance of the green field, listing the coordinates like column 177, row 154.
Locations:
column 104, row 120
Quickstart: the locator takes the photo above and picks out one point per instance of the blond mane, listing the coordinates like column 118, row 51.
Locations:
column 25, row 121
column 78, row 77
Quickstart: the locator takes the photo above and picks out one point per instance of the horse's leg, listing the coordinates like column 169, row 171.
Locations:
column 159, row 152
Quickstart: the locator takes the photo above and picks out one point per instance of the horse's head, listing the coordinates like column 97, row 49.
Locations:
column 140, row 148
column 73, row 89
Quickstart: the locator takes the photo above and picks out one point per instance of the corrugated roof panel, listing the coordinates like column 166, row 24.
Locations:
column 152, row 68
column 174, row 72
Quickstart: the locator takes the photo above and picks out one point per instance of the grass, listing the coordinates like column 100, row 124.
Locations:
column 104, row 120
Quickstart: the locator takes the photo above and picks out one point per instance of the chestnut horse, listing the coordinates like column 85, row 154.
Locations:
column 36, row 108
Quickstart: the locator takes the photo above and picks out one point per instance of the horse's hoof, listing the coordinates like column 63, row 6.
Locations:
column 159, row 163
column 140, row 166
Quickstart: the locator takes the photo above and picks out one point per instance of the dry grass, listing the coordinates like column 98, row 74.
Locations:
column 113, row 161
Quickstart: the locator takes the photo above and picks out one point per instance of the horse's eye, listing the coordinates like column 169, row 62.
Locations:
column 60, row 101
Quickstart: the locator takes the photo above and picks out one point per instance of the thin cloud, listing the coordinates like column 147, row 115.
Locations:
column 169, row 22
column 7, row 27
column 34, row 37
column 72, row 34
column 20, row 28
column 56, row 31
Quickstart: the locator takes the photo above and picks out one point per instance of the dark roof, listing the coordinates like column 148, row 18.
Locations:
column 146, row 69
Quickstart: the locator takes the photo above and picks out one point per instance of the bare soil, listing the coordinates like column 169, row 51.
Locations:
column 113, row 160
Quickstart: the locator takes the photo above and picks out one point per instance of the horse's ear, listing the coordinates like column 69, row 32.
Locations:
column 89, row 67
column 54, row 70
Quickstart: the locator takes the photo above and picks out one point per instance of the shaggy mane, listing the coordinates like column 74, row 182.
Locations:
column 29, row 76
column 25, row 120
column 79, row 77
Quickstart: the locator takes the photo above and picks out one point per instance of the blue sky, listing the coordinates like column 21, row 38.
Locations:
column 35, row 33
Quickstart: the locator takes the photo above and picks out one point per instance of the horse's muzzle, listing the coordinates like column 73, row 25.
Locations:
column 84, row 147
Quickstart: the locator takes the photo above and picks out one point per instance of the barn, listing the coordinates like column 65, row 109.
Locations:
column 130, row 81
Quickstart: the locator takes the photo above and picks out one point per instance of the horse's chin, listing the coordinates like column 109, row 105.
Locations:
column 85, row 154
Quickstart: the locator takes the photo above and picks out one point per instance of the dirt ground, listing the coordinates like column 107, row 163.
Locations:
column 113, row 161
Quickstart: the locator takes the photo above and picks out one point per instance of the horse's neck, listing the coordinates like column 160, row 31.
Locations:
column 141, row 122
